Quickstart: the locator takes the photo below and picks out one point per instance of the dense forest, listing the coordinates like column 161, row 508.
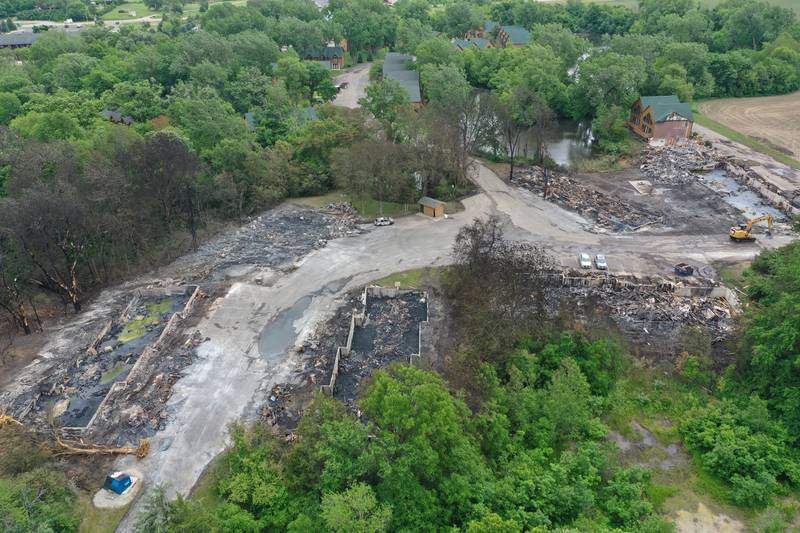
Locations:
column 218, row 127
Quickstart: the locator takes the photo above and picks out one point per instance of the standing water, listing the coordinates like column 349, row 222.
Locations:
column 568, row 141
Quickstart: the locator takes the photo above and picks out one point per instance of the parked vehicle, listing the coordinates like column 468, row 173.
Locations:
column 585, row 261
column 600, row 262
column 384, row 221
column 684, row 269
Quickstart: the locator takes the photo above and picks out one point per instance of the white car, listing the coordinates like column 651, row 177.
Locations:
column 585, row 261
column 384, row 221
column 600, row 262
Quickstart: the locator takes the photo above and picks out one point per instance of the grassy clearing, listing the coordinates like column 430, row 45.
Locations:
column 746, row 140
column 418, row 278
column 367, row 207
column 96, row 520
column 732, row 275
column 123, row 12
column 193, row 8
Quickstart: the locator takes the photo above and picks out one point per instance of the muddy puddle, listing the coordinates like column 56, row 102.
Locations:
column 278, row 336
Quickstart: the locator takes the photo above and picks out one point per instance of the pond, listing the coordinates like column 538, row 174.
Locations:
column 568, row 141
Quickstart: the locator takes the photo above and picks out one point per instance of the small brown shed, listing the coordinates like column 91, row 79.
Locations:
column 431, row 207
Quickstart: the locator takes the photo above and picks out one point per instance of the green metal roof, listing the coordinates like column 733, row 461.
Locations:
column 325, row 53
column 662, row 106
column 489, row 26
column 517, row 34
column 463, row 44
column 480, row 42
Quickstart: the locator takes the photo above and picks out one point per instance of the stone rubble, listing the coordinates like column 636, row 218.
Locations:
column 677, row 164
column 605, row 211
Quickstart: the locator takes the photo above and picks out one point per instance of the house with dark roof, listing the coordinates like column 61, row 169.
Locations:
column 117, row 118
column 334, row 55
column 395, row 67
column 486, row 31
column 18, row 39
column 661, row 117
column 23, row 38
column 513, row 36
column 472, row 42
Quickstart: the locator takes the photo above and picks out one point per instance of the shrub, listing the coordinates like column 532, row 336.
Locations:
column 739, row 442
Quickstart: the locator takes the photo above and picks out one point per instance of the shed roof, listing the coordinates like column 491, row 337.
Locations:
column 433, row 203
column 517, row 34
column 489, row 26
column 663, row 106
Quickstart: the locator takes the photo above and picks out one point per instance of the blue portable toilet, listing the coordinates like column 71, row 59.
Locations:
column 118, row 482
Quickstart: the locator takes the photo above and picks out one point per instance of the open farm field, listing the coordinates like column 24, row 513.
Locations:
column 633, row 4
column 771, row 120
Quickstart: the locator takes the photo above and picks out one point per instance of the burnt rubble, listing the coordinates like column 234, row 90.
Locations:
column 685, row 162
column 605, row 211
column 277, row 237
column 677, row 164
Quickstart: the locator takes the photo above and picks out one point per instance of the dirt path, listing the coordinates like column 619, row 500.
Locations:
column 770, row 119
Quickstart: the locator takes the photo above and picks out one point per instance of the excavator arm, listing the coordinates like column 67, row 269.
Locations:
column 742, row 232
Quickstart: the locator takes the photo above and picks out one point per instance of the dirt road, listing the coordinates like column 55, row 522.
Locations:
column 357, row 79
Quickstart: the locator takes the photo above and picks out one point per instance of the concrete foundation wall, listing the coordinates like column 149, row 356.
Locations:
column 138, row 376
column 358, row 319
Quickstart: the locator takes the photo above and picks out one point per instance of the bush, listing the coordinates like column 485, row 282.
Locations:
column 610, row 130
column 375, row 70
column 738, row 442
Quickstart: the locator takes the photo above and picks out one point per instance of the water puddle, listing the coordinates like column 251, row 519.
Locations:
column 277, row 337
column 738, row 196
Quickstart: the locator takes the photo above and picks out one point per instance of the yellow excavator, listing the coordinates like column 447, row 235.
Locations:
column 741, row 233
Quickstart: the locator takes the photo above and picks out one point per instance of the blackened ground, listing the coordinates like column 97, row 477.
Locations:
column 389, row 335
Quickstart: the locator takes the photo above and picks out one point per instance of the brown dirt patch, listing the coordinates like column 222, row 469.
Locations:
column 770, row 119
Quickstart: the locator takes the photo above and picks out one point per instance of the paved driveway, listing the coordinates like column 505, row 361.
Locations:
column 357, row 79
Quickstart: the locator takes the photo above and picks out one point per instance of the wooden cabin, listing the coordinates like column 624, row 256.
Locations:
column 661, row 117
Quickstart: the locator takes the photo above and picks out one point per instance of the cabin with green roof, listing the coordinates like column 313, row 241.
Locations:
column 661, row 117
column 473, row 42
column 515, row 36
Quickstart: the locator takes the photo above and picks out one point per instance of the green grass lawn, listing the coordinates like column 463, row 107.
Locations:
column 417, row 278
column 193, row 8
column 94, row 520
column 746, row 140
column 123, row 12
column 367, row 207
